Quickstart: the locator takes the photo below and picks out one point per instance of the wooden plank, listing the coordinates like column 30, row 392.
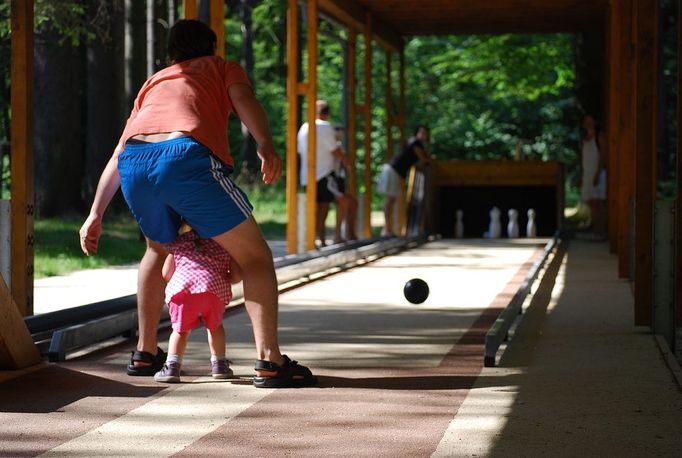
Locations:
column 292, row 126
column 218, row 25
column 367, row 205
column 497, row 173
column 626, row 129
column 352, row 112
column 190, row 10
column 612, row 107
column 646, row 14
column 22, row 124
column 311, row 189
column 352, row 15
column 417, row 17
column 17, row 350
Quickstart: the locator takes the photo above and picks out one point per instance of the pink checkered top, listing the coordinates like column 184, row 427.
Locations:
column 201, row 265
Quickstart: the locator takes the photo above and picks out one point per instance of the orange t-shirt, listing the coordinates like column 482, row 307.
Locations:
column 189, row 96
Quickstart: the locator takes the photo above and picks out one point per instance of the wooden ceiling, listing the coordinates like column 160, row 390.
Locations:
column 466, row 17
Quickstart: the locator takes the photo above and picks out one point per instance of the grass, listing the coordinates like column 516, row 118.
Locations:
column 57, row 249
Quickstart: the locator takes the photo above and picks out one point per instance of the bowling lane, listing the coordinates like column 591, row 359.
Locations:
column 392, row 374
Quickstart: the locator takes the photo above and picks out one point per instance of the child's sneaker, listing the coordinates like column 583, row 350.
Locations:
column 169, row 373
column 220, row 369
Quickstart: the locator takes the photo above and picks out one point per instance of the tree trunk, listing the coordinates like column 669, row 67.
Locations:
column 104, row 101
column 58, row 137
column 250, row 162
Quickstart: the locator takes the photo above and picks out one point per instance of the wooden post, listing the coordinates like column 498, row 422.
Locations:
column 646, row 15
column 402, row 207
column 367, row 205
column 352, row 112
column 22, row 188
column 612, row 132
column 17, row 349
column 292, row 126
column 190, row 9
column 626, row 127
column 678, row 178
column 389, row 106
column 311, row 189
column 218, row 25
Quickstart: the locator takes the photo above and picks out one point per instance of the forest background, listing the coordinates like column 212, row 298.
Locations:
column 484, row 97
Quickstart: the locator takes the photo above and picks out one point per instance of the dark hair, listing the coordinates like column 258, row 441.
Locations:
column 420, row 126
column 322, row 107
column 189, row 39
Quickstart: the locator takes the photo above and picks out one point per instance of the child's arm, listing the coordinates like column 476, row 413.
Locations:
column 168, row 267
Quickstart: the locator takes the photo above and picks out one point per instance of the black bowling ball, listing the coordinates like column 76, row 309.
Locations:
column 416, row 290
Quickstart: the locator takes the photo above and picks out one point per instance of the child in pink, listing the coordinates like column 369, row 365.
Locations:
column 198, row 272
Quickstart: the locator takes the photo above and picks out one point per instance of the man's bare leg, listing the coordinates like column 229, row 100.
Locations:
column 246, row 245
column 388, row 215
column 150, row 297
column 322, row 209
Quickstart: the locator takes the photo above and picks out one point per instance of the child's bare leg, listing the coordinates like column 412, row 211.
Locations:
column 178, row 343
column 249, row 249
column 216, row 341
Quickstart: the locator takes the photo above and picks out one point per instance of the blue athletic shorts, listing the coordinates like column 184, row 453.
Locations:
column 178, row 179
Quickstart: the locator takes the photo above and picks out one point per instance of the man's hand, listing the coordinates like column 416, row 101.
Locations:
column 90, row 233
column 271, row 164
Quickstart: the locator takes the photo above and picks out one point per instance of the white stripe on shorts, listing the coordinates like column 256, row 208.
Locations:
column 229, row 187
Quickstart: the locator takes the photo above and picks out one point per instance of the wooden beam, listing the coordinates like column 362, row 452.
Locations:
column 292, row 126
column 367, row 205
column 352, row 15
column 190, row 10
column 646, row 14
column 311, row 189
column 612, row 70
column 352, row 112
column 22, row 170
column 218, row 25
column 626, row 127
column 17, row 350
column 302, row 88
column 678, row 178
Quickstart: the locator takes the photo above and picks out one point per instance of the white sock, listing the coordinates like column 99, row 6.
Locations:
column 174, row 359
column 215, row 358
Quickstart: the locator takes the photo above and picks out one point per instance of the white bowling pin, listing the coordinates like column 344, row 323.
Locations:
column 459, row 225
column 495, row 228
column 513, row 224
column 531, row 229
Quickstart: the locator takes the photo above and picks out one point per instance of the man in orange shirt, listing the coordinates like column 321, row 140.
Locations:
column 172, row 164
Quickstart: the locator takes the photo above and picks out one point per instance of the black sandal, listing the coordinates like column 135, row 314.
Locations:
column 288, row 375
column 154, row 363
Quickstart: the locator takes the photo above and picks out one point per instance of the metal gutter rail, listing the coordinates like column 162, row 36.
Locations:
column 499, row 331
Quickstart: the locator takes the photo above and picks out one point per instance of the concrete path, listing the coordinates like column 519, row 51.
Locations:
column 396, row 379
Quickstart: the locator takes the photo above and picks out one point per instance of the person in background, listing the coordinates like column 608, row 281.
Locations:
column 593, row 174
column 395, row 171
column 327, row 152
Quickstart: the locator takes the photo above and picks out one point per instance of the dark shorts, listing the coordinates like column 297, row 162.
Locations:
column 341, row 183
column 328, row 189
column 178, row 179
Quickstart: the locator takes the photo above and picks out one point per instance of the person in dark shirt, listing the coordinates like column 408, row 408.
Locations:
column 395, row 172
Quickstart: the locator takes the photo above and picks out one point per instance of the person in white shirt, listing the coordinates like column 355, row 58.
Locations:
column 327, row 152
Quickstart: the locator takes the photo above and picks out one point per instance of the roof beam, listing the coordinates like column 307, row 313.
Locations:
column 352, row 15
